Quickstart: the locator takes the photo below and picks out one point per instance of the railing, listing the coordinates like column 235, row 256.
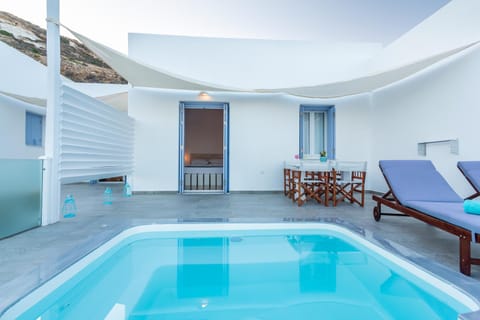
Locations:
column 203, row 179
column 20, row 195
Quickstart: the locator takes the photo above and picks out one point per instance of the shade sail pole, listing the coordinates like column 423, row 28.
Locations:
column 51, row 182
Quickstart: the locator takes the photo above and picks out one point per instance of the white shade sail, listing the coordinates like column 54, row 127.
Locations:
column 368, row 82
column 143, row 75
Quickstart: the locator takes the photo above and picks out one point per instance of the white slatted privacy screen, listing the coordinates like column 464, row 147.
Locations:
column 96, row 140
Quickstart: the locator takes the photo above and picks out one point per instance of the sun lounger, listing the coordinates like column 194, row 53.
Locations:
column 471, row 171
column 418, row 190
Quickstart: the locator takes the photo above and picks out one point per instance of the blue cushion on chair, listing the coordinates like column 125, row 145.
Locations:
column 451, row 212
column 417, row 180
column 471, row 170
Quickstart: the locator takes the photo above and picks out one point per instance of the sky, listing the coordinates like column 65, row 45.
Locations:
column 110, row 21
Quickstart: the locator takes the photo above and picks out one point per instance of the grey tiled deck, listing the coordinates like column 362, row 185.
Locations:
column 32, row 257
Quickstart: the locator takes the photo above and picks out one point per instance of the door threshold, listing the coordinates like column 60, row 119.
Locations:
column 203, row 192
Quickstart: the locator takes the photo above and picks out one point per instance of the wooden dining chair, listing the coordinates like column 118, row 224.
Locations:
column 315, row 186
column 297, row 193
column 287, row 182
column 348, row 182
column 314, row 183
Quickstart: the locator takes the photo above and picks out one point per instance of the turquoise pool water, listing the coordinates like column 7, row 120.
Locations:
column 269, row 274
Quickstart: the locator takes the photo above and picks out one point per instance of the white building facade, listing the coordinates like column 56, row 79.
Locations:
column 421, row 89
column 264, row 129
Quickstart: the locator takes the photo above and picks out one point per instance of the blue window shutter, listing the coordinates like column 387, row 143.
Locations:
column 33, row 129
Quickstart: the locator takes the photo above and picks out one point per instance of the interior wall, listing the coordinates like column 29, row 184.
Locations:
column 437, row 104
column 264, row 132
column 203, row 131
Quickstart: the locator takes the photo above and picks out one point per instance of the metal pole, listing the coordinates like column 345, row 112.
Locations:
column 51, row 182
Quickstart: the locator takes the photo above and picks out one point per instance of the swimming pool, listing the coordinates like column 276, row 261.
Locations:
column 243, row 271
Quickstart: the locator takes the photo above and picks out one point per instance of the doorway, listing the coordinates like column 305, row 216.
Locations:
column 203, row 147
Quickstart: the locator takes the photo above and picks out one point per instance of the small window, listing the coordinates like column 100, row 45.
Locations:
column 33, row 129
column 317, row 131
column 314, row 133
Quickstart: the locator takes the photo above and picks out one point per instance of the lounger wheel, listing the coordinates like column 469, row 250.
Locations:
column 376, row 214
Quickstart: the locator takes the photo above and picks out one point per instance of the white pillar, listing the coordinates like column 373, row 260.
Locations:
column 51, row 182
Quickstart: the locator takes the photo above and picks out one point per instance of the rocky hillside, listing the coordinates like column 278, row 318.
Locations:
column 78, row 63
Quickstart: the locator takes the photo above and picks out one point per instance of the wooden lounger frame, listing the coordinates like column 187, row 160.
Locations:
column 465, row 236
column 477, row 192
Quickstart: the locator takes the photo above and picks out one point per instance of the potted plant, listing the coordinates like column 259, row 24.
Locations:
column 323, row 156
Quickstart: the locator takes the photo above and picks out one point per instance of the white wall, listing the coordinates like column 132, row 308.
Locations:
column 21, row 74
column 156, row 139
column 354, row 130
column 264, row 131
column 439, row 103
column 12, row 131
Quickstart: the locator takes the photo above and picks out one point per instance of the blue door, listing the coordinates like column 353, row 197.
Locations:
column 203, row 147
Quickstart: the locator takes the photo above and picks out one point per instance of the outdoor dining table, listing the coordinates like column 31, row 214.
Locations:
column 324, row 181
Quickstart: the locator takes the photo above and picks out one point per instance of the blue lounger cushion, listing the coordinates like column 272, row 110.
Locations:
column 417, row 180
column 471, row 170
column 471, row 206
column 451, row 212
